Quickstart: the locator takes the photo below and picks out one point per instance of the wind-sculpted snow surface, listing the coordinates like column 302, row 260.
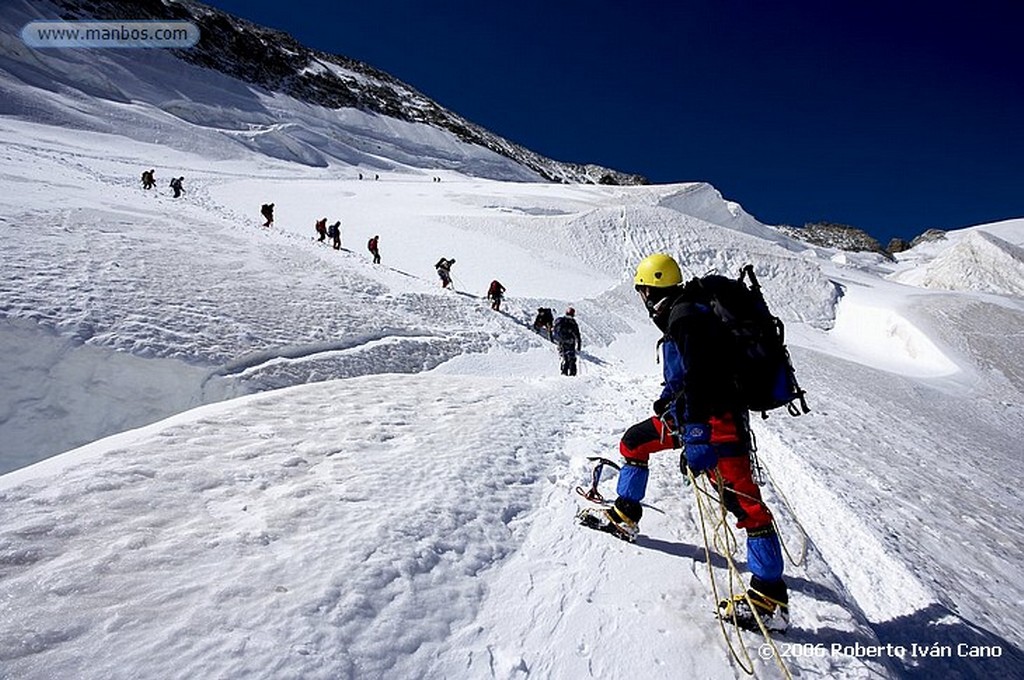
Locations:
column 245, row 540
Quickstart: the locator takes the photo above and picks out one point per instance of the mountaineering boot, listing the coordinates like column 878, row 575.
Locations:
column 626, row 527
column 610, row 521
column 774, row 614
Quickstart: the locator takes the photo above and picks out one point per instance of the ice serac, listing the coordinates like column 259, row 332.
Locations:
column 978, row 261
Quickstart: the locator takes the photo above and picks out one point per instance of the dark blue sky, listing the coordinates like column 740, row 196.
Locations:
column 892, row 116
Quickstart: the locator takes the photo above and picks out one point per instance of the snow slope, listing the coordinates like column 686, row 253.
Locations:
column 279, row 460
column 403, row 506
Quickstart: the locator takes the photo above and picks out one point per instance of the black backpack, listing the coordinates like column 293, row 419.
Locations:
column 566, row 331
column 764, row 373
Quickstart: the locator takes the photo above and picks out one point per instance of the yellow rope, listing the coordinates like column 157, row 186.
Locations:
column 748, row 669
column 726, row 543
column 775, row 525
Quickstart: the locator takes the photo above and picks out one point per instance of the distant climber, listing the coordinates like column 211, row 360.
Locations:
column 544, row 321
column 321, row 229
column 148, row 181
column 176, row 186
column 267, row 210
column 334, row 231
column 567, row 336
column 494, row 293
column 444, row 271
column 372, row 246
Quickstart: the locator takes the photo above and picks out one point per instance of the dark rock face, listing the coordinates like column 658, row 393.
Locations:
column 897, row 245
column 834, row 235
column 930, row 235
column 276, row 62
column 845, row 237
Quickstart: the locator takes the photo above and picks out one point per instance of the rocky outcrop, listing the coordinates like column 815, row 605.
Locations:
column 838, row 236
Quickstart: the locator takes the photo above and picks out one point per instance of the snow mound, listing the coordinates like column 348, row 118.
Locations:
column 882, row 337
column 979, row 261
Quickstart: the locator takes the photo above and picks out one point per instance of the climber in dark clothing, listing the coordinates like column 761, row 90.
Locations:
column 701, row 411
column 544, row 321
column 494, row 293
column 334, row 231
column 567, row 335
column 444, row 271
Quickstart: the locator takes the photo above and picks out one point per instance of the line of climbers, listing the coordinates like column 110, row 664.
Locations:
column 564, row 331
column 326, row 231
column 696, row 411
column 323, row 230
column 149, row 181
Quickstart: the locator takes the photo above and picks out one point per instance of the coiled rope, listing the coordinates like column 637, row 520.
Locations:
column 725, row 543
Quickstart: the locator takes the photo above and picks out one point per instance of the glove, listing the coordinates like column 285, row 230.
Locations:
column 697, row 448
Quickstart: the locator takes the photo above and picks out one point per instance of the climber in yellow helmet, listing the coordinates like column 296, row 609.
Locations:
column 700, row 411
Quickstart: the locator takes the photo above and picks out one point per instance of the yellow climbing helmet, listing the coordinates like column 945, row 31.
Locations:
column 658, row 271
